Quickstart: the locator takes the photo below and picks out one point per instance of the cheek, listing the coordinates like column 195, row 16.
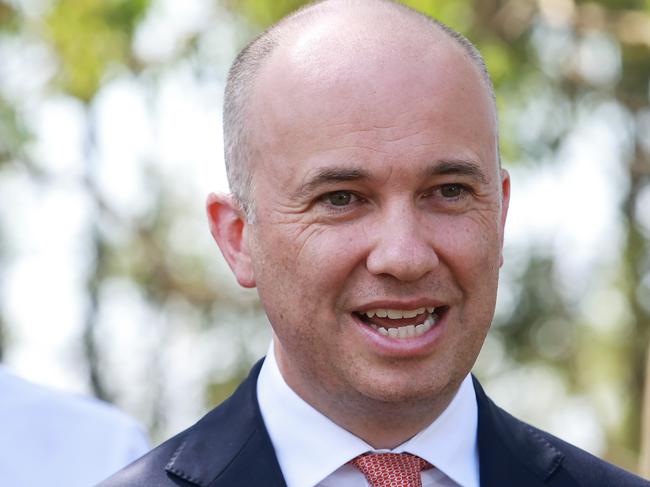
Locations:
column 321, row 250
column 307, row 263
column 473, row 237
column 471, row 251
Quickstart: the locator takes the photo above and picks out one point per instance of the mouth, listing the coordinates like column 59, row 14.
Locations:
column 402, row 323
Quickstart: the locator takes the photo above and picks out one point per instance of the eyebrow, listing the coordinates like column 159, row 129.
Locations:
column 330, row 175
column 459, row 167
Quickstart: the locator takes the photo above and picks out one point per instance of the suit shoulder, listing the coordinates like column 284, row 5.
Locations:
column 210, row 449
column 580, row 466
column 510, row 447
column 589, row 469
column 149, row 470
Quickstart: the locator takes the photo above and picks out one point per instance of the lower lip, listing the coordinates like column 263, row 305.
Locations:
column 404, row 347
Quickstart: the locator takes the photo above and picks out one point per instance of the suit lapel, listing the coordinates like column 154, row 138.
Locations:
column 511, row 452
column 230, row 445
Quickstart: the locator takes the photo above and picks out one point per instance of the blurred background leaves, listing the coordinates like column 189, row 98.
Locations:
column 152, row 319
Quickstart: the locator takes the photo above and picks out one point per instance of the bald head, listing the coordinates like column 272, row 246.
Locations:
column 323, row 42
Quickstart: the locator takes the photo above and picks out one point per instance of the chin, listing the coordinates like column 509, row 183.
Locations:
column 402, row 391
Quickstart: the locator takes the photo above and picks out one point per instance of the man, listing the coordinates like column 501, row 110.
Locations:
column 368, row 210
column 56, row 439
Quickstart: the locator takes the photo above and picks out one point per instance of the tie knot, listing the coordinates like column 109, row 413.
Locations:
column 391, row 469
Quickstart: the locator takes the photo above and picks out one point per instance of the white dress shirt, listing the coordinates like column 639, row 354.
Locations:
column 313, row 451
column 52, row 438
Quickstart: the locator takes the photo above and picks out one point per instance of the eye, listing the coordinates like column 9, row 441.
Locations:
column 339, row 198
column 451, row 190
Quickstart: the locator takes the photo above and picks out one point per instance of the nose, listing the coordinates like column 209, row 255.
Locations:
column 401, row 247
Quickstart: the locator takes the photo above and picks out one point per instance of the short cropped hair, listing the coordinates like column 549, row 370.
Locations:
column 241, row 77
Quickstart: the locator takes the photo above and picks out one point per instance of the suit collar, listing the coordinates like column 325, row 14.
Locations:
column 222, row 448
column 510, row 449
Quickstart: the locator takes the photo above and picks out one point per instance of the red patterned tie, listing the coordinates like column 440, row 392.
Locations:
column 391, row 469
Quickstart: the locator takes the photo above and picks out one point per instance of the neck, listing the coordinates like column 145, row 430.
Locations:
column 383, row 425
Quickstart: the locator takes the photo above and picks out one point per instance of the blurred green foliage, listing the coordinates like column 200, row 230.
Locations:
column 264, row 13
column 90, row 37
column 9, row 18
column 13, row 133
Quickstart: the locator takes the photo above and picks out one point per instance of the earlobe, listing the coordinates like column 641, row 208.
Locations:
column 228, row 228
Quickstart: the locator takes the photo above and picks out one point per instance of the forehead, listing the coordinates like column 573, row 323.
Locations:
column 357, row 53
column 349, row 78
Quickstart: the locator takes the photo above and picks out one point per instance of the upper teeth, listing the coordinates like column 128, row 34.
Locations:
column 396, row 314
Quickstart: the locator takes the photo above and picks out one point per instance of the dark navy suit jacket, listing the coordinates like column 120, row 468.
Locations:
column 230, row 447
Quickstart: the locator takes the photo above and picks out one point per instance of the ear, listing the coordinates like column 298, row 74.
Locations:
column 229, row 229
column 505, row 203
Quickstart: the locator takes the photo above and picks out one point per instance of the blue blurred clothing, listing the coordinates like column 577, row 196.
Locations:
column 57, row 439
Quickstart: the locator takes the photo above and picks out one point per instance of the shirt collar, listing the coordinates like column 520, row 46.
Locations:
column 303, row 437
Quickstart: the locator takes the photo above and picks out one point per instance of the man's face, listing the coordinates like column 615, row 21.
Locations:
column 379, row 212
